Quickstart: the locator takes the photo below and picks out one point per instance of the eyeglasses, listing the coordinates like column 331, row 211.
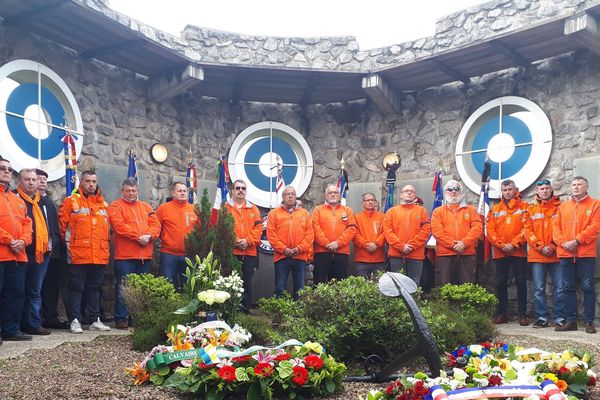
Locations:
column 543, row 182
column 6, row 169
column 239, row 188
column 453, row 189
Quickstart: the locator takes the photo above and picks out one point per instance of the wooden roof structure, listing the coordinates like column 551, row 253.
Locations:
column 93, row 34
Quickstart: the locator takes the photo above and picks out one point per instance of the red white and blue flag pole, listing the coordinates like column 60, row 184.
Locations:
column 484, row 207
column 279, row 183
column 191, row 181
column 132, row 171
column 70, row 152
column 222, row 192
column 343, row 183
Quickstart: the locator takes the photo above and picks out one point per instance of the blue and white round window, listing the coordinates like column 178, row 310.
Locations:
column 36, row 105
column 261, row 151
column 514, row 134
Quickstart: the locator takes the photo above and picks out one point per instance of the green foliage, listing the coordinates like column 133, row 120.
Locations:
column 218, row 238
column 150, row 326
column 151, row 287
column 469, row 298
column 355, row 320
column 263, row 333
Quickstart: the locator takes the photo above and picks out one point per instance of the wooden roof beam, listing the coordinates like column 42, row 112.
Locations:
column 238, row 86
column 451, row 71
column 166, row 86
column 309, row 88
column 510, row 53
column 114, row 48
column 382, row 94
column 39, row 11
column 584, row 29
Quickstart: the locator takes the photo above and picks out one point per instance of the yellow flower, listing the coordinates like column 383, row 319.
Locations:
column 314, row 346
column 138, row 374
column 552, row 377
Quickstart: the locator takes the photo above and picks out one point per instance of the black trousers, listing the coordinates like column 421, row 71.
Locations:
column 249, row 264
column 330, row 266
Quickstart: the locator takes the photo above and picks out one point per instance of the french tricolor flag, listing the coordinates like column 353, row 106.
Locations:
column 222, row 192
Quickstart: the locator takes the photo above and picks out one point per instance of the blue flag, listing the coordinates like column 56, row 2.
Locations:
column 132, row 169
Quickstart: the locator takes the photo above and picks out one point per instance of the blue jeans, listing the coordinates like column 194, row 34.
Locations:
column 502, row 272
column 32, row 308
column 12, row 297
column 582, row 270
column 539, row 272
column 282, row 271
column 86, row 278
column 122, row 269
column 409, row 267
column 249, row 264
column 173, row 268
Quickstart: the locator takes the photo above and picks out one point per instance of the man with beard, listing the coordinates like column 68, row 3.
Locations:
column 456, row 227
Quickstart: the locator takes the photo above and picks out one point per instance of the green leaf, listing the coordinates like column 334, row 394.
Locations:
column 285, row 369
column 189, row 264
column 164, row 371
column 330, row 386
column 190, row 308
column 511, row 375
column 254, row 392
column 241, row 374
column 158, row 380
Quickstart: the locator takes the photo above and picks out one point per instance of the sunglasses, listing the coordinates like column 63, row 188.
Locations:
column 239, row 188
column 543, row 182
column 6, row 169
column 453, row 189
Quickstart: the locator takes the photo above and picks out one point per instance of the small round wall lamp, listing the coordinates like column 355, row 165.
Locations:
column 158, row 153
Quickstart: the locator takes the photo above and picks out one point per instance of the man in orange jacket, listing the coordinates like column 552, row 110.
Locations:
column 290, row 233
column 575, row 231
column 335, row 227
column 507, row 236
column 135, row 227
column 541, row 253
column 407, row 229
column 456, row 227
column 177, row 219
column 369, row 241
column 248, row 230
column 15, row 235
column 85, row 230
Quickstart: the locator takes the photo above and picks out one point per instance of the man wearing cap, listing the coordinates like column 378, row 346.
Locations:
column 335, row 226
column 407, row 229
column 15, row 235
column 541, row 253
column 38, row 254
column 456, row 227
column 369, row 241
column 248, row 230
column 507, row 236
column 575, row 231
column 135, row 227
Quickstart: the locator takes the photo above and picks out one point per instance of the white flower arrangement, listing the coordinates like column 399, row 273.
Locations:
column 212, row 296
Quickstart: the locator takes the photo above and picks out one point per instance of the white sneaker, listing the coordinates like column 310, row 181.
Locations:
column 76, row 326
column 99, row 326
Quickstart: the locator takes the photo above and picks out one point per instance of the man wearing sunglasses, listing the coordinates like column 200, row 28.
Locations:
column 575, row 231
column 15, row 235
column 456, row 227
column 248, row 230
column 505, row 232
column 541, row 254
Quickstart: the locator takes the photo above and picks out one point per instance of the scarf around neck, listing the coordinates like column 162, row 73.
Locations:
column 41, row 229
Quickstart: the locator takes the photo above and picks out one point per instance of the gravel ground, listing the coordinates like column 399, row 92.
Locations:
column 95, row 370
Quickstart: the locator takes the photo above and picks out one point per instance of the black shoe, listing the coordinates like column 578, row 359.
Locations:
column 590, row 327
column 540, row 323
column 564, row 326
column 38, row 331
column 17, row 337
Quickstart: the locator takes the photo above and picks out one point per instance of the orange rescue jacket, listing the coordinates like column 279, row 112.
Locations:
column 289, row 229
column 333, row 224
column 538, row 229
column 247, row 225
column 85, row 229
column 369, row 228
column 407, row 224
column 177, row 220
column 129, row 221
column 14, row 225
column 456, row 222
column 505, row 225
column 577, row 220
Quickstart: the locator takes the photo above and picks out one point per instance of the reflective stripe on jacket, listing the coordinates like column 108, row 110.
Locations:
column 289, row 229
column 247, row 225
column 369, row 229
column 85, row 229
column 505, row 225
column 538, row 229
column 407, row 224
column 577, row 220
column 14, row 225
column 454, row 222
column 333, row 224
column 129, row 221
column 177, row 220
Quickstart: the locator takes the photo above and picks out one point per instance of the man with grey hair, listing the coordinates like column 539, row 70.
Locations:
column 369, row 241
column 456, row 227
column 135, row 227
